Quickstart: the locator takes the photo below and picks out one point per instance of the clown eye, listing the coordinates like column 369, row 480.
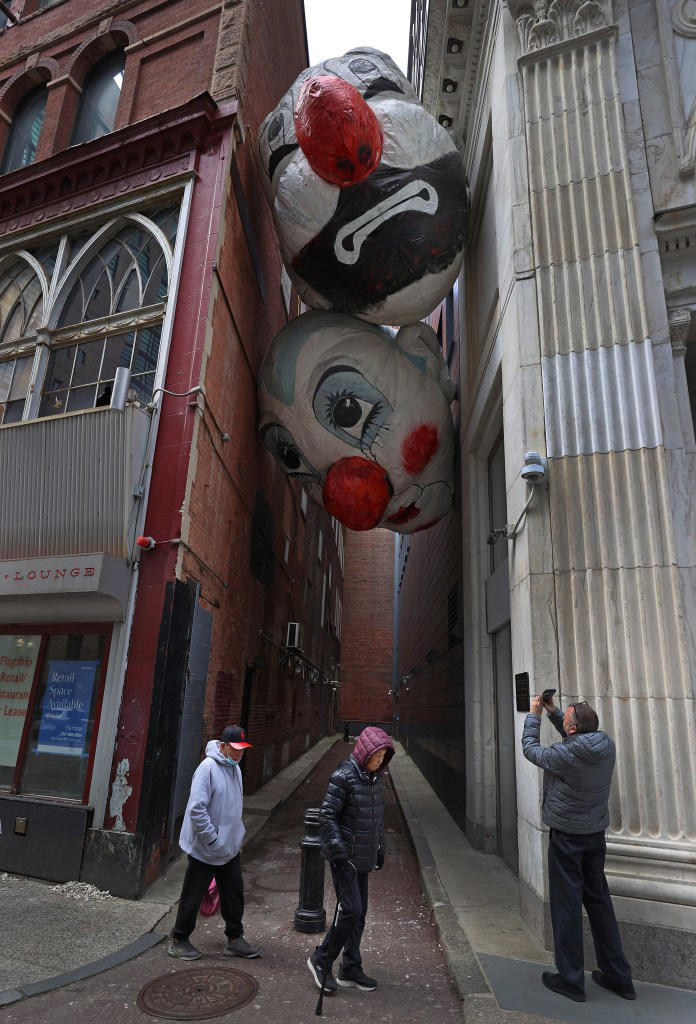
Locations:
column 278, row 140
column 346, row 412
column 347, row 405
column 282, row 445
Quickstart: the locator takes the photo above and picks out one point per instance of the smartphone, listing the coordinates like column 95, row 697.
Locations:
column 547, row 694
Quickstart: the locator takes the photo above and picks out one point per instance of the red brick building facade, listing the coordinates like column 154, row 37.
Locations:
column 134, row 236
column 368, row 623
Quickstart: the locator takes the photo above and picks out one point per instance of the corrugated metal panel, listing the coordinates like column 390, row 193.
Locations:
column 66, row 484
column 601, row 400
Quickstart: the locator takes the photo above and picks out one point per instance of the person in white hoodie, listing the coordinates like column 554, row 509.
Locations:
column 212, row 835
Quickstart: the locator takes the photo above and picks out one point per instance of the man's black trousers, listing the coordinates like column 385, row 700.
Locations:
column 196, row 882
column 576, row 877
column 351, row 891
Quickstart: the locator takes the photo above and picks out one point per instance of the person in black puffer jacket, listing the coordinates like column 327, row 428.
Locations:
column 352, row 840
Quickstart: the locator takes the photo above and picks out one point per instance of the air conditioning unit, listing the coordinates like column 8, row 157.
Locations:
column 294, row 637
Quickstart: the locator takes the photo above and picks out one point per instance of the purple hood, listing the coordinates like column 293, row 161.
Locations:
column 369, row 742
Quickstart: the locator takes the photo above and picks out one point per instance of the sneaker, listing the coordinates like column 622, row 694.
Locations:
column 626, row 991
column 183, row 949
column 240, row 947
column 556, row 983
column 316, row 971
column 356, row 979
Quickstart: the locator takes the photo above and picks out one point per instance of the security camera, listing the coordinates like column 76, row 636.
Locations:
column 534, row 469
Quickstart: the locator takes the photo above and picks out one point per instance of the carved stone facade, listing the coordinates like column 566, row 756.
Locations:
column 579, row 341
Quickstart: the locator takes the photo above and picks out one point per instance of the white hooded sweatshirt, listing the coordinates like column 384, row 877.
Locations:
column 212, row 830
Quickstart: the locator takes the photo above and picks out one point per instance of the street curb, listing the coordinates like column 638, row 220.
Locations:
column 463, row 965
column 36, row 988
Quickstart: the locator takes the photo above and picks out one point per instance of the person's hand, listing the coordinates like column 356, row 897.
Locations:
column 536, row 705
column 380, row 860
column 549, row 704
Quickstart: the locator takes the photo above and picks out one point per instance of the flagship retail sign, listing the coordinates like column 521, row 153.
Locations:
column 18, row 656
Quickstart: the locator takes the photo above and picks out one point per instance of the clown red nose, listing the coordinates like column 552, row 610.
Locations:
column 357, row 492
column 337, row 131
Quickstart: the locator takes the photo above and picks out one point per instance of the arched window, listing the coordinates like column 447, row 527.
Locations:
column 100, row 97
column 128, row 274
column 25, row 131
column 21, row 311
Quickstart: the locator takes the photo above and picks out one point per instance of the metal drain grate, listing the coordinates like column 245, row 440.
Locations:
column 197, row 993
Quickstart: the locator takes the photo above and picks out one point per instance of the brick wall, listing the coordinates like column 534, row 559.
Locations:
column 366, row 655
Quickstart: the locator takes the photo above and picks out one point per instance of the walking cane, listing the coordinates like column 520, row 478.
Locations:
column 320, row 1000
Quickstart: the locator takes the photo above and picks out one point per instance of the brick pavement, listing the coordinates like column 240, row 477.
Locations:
column 400, row 944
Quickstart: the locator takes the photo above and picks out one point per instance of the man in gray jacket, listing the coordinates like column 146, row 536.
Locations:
column 212, row 835
column 577, row 780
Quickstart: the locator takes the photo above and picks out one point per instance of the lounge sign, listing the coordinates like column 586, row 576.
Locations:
column 51, row 575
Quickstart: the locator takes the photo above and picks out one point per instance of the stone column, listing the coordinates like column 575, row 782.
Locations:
column 619, row 612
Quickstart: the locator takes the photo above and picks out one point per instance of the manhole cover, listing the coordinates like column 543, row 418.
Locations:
column 197, row 993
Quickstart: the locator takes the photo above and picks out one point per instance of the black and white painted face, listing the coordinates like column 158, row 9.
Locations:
column 368, row 191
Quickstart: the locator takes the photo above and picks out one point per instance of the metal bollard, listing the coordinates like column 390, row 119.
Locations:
column 310, row 915
column 346, row 733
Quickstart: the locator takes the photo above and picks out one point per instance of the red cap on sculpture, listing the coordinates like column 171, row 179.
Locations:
column 337, row 131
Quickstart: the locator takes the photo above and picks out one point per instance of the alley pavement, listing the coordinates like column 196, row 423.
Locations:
column 443, row 936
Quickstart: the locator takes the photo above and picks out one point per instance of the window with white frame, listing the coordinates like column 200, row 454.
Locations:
column 73, row 311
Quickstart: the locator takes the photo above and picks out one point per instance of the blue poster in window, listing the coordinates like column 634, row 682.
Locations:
column 65, row 707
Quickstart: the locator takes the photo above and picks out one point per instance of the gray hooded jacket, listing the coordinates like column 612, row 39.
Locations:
column 577, row 776
column 212, row 830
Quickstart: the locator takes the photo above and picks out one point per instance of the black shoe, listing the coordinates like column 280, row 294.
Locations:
column 183, row 949
column 556, row 983
column 240, row 947
column 356, row 979
column 316, row 971
column 619, row 989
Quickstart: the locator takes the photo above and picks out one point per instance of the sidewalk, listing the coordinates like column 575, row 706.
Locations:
column 443, row 935
column 400, row 943
column 50, row 940
column 494, row 960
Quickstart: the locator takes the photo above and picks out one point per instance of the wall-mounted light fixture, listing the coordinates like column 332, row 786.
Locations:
column 445, row 121
column 455, row 45
column 449, row 85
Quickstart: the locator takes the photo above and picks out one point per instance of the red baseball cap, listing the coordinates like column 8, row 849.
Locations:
column 235, row 736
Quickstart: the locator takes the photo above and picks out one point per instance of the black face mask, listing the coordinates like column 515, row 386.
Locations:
column 402, row 250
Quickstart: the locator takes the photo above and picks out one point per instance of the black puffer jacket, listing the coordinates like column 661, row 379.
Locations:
column 352, row 811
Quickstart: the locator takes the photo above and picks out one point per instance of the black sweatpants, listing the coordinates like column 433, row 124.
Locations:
column 196, row 882
column 576, row 877
column 351, row 891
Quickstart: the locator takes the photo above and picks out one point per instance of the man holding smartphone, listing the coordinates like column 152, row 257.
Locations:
column 577, row 780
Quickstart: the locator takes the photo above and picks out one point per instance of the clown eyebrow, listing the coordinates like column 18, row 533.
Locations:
column 279, row 154
column 335, row 369
column 379, row 85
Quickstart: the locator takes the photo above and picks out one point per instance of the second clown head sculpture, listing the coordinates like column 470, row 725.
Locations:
column 368, row 191
column 360, row 415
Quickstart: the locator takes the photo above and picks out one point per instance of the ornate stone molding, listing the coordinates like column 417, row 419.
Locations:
column 684, row 18
column 679, row 327
column 546, row 23
column 138, row 156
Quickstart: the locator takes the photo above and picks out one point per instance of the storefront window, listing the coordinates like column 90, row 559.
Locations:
column 18, row 656
column 53, row 681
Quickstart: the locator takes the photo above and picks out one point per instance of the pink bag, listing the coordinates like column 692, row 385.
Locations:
column 211, row 900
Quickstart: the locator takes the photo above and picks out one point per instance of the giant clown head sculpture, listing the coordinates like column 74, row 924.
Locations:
column 360, row 415
column 368, row 191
